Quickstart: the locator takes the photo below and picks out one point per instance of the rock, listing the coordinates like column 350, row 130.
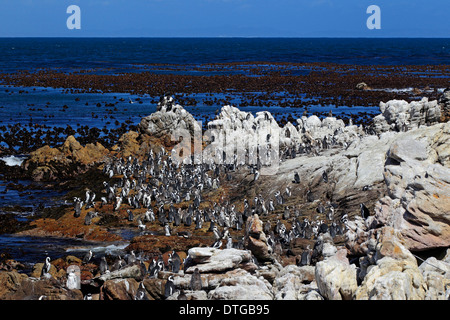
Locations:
column 436, row 276
column 396, row 275
column 399, row 115
column 18, row 286
column 417, row 176
column 336, row 278
column 119, row 289
column 132, row 271
column 214, row 260
column 168, row 120
column 444, row 103
column 293, row 282
column 256, row 240
column 362, row 86
column 191, row 295
column 241, row 285
column 47, row 164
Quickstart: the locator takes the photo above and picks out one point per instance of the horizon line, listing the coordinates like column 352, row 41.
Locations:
column 225, row 37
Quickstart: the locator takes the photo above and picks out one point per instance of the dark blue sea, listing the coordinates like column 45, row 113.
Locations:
column 123, row 54
column 113, row 56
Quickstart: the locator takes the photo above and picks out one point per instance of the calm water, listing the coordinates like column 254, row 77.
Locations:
column 123, row 53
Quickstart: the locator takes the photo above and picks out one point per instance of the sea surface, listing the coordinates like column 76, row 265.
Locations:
column 45, row 106
column 124, row 54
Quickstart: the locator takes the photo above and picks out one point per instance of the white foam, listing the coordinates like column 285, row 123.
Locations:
column 110, row 249
column 13, row 160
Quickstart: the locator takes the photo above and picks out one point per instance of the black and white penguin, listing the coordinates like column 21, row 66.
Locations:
column 169, row 288
column 130, row 215
column 325, row 177
column 46, row 267
column 87, row 257
column 365, row 213
column 141, row 293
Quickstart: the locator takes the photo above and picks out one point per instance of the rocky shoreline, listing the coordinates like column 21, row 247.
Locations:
column 350, row 212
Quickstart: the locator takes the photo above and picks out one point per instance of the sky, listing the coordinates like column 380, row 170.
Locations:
column 224, row 18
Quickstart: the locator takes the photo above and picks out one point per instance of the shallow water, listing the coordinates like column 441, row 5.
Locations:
column 30, row 250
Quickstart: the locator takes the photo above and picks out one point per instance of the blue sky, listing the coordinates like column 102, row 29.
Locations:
column 224, row 18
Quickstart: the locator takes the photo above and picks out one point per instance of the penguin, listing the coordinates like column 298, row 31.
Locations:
column 305, row 257
column 141, row 226
column 131, row 258
column 167, row 230
column 309, row 196
column 217, row 234
column 87, row 257
column 141, row 292
column 196, row 281
column 103, row 265
column 217, row 244
column 88, row 296
column 229, row 243
column 325, row 177
column 130, row 215
column 153, row 269
column 365, row 213
column 169, row 288
column 77, row 208
column 46, row 267
column 175, row 262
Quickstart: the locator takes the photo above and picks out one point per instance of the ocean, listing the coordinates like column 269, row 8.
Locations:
column 123, row 54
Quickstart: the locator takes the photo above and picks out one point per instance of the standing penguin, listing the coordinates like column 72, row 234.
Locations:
column 169, row 288
column 103, row 265
column 46, row 268
column 196, row 281
column 87, row 257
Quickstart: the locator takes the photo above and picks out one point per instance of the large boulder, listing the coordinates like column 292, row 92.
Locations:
column 212, row 260
column 241, row 285
column 168, row 119
column 336, row 277
column 256, row 240
column 46, row 163
column 399, row 115
column 417, row 176
column 396, row 275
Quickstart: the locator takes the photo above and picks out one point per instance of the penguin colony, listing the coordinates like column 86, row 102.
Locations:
column 158, row 183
